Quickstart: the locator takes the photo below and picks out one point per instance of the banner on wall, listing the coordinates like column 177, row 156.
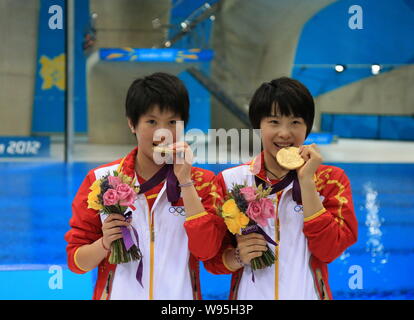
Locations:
column 156, row 55
column 18, row 147
column 50, row 86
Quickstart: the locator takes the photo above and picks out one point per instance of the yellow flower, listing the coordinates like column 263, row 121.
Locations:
column 230, row 208
column 93, row 201
column 233, row 217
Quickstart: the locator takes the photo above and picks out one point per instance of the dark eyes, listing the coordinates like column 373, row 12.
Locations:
column 277, row 122
column 172, row 122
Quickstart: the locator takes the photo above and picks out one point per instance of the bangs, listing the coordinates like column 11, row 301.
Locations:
column 285, row 108
column 153, row 99
column 163, row 108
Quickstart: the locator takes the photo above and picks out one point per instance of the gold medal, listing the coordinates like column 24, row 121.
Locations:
column 289, row 158
column 160, row 149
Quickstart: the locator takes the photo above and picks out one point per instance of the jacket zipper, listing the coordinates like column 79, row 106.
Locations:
column 277, row 240
column 152, row 240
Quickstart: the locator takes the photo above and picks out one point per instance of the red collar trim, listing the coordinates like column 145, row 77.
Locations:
column 127, row 165
column 257, row 167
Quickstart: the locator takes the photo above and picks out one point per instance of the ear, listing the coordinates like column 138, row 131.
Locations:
column 131, row 126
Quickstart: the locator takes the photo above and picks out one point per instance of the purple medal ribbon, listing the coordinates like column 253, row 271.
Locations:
column 129, row 242
column 138, row 275
column 165, row 173
column 256, row 229
column 126, row 236
column 291, row 176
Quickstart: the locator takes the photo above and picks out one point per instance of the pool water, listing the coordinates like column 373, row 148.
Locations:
column 36, row 207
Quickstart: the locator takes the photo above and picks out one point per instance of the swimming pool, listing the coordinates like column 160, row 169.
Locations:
column 36, row 207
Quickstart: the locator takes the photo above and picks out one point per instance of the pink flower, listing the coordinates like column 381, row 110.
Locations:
column 254, row 210
column 261, row 210
column 114, row 181
column 248, row 193
column 110, row 197
column 268, row 210
column 126, row 194
column 123, row 191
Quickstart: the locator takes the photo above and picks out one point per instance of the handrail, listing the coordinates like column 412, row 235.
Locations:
column 219, row 94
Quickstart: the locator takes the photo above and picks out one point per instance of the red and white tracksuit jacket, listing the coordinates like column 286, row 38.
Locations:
column 171, row 245
column 305, row 245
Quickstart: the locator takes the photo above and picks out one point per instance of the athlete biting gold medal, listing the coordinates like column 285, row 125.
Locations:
column 289, row 158
column 162, row 149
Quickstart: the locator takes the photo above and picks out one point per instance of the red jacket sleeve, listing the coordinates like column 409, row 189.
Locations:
column 216, row 264
column 86, row 226
column 206, row 230
column 335, row 228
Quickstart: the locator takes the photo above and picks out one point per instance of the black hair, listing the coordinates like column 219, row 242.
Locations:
column 289, row 96
column 160, row 89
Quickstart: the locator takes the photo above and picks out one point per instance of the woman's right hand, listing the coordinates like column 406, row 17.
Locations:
column 251, row 246
column 111, row 228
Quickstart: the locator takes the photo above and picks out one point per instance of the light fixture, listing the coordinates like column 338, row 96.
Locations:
column 339, row 68
column 212, row 18
column 375, row 69
column 167, row 44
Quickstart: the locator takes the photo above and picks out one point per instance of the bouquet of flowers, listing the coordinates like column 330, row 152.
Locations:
column 115, row 194
column 246, row 209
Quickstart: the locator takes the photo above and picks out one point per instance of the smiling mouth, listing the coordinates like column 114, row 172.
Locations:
column 283, row 145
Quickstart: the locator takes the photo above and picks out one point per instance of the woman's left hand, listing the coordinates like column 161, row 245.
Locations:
column 183, row 160
column 313, row 160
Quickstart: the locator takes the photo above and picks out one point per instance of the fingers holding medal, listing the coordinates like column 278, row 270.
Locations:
column 305, row 159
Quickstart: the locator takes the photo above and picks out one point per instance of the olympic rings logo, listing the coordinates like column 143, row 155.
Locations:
column 177, row 211
column 298, row 209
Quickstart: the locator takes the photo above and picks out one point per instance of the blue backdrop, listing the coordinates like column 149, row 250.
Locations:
column 386, row 38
